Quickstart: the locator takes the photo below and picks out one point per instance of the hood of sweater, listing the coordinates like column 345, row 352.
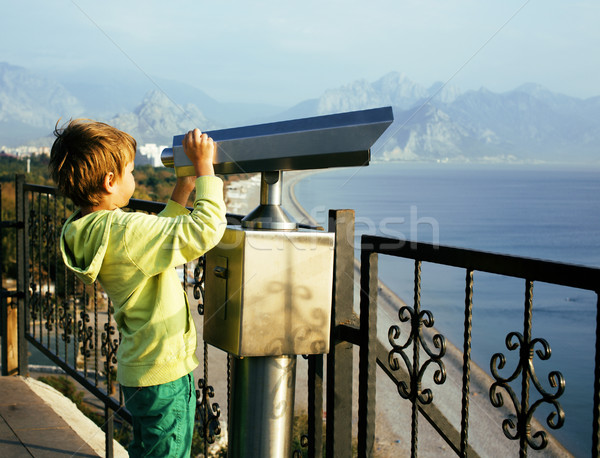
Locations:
column 84, row 240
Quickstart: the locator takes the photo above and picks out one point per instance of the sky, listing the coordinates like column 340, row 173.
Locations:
column 284, row 52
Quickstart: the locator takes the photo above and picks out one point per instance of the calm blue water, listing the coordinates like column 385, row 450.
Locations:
column 539, row 212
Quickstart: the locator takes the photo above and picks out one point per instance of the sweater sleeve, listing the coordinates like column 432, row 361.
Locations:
column 157, row 243
column 173, row 209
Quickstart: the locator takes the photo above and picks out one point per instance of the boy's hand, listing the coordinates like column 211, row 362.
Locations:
column 200, row 148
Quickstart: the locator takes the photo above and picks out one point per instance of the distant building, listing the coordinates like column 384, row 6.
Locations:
column 25, row 151
column 146, row 154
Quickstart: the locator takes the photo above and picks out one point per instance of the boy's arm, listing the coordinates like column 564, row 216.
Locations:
column 179, row 197
column 157, row 244
column 167, row 242
column 182, row 190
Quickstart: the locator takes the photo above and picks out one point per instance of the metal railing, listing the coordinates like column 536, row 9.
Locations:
column 72, row 325
column 518, row 387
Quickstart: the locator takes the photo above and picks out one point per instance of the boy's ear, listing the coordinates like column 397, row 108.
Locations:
column 109, row 182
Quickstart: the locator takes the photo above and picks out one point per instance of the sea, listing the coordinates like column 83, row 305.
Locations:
column 538, row 211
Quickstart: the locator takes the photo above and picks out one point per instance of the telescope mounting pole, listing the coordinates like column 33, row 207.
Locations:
column 270, row 214
column 263, row 387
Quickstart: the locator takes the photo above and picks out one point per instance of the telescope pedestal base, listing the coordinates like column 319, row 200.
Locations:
column 262, row 406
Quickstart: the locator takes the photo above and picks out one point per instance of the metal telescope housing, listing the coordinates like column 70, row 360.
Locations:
column 338, row 140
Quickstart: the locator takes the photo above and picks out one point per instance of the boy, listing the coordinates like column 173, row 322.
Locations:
column 133, row 256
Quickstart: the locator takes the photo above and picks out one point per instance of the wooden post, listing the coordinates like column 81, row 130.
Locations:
column 12, row 340
column 8, row 314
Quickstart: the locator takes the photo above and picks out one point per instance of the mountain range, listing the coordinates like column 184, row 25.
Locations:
column 529, row 124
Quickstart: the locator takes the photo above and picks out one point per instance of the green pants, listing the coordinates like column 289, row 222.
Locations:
column 163, row 418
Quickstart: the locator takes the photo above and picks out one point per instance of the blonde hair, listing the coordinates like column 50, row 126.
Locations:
column 83, row 153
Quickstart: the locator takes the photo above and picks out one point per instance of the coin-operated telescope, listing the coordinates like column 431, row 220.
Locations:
column 268, row 284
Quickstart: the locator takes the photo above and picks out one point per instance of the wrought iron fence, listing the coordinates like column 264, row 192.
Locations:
column 413, row 351
column 72, row 325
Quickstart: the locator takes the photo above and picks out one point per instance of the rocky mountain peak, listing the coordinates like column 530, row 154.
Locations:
column 158, row 118
column 30, row 99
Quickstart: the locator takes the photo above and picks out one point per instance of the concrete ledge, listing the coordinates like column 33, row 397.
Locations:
column 37, row 420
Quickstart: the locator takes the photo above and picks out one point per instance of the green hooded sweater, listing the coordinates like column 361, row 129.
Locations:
column 133, row 256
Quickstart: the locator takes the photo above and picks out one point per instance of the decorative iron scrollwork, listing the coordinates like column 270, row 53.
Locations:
column 108, row 349
column 65, row 321
column 413, row 391
column 35, row 303
column 521, row 430
column 48, row 312
column 85, row 334
column 207, row 414
column 35, row 300
column 524, row 413
column 417, row 319
column 199, row 283
column 416, row 339
column 47, row 240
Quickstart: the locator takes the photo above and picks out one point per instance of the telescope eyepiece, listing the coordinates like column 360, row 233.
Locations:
column 168, row 158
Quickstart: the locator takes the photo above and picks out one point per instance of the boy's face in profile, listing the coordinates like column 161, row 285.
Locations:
column 124, row 186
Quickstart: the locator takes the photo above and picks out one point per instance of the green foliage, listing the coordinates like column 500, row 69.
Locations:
column 153, row 183
column 38, row 166
column 8, row 239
